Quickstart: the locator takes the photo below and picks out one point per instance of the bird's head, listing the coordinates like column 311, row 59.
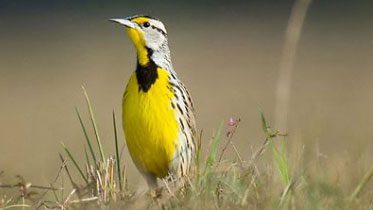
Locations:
column 145, row 32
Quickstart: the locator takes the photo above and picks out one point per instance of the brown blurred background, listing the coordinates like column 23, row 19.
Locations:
column 226, row 52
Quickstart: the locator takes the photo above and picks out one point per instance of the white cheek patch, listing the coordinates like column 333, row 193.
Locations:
column 154, row 39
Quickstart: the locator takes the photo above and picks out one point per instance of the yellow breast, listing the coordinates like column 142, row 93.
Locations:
column 150, row 126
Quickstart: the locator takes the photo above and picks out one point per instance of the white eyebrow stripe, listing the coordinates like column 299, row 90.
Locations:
column 158, row 24
column 158, row 29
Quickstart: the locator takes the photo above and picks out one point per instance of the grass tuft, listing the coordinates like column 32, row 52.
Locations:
column 221, row 180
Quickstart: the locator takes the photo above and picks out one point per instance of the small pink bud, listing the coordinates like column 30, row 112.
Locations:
column 232, row 122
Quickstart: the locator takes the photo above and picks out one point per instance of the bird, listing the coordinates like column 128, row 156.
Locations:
column 157, row 109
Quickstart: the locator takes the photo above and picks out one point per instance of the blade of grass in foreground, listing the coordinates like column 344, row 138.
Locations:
column 362, row 184
column 75, row 163
column 86, row 137
column 281, row 162
column 265, row 126
column 86, row 157
column 16, row 206
column 117, row 152
column 198, row 154
column 278, row 156
column 94, row 124
column 213, row 150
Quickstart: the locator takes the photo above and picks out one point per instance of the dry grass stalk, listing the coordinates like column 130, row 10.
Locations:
column 292, row 37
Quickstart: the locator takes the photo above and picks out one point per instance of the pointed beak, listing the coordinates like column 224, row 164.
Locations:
column 124, row 22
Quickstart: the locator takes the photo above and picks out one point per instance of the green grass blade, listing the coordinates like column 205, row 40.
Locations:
column 117, row 153
column 64, row 166
column 264, row 122
column 94, row 125
column 198, row 154
column 284, row 163
column 213, row 149
column 279, row 157
column 364, row 181
column 54, row 193
column 75, row 163
column 86, row 157
column 86, row 137
column 281, row 162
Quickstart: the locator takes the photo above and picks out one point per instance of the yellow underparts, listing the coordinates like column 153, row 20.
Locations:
column 150, row 125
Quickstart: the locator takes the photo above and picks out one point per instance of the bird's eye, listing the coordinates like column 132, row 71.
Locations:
column 146, row 24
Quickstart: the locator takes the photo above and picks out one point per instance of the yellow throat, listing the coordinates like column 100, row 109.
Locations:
column 138, row 40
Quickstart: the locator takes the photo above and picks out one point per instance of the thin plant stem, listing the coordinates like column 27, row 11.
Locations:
column 94, row 124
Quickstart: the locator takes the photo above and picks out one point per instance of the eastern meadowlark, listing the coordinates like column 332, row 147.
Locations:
column 158, row 118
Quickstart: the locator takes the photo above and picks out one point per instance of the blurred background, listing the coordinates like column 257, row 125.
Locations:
column 226, row 52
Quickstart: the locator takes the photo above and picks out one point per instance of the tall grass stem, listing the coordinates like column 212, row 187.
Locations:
column 292, row 36
column 94, row 124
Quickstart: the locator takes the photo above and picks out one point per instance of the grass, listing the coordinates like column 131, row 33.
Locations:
column 266, row 180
